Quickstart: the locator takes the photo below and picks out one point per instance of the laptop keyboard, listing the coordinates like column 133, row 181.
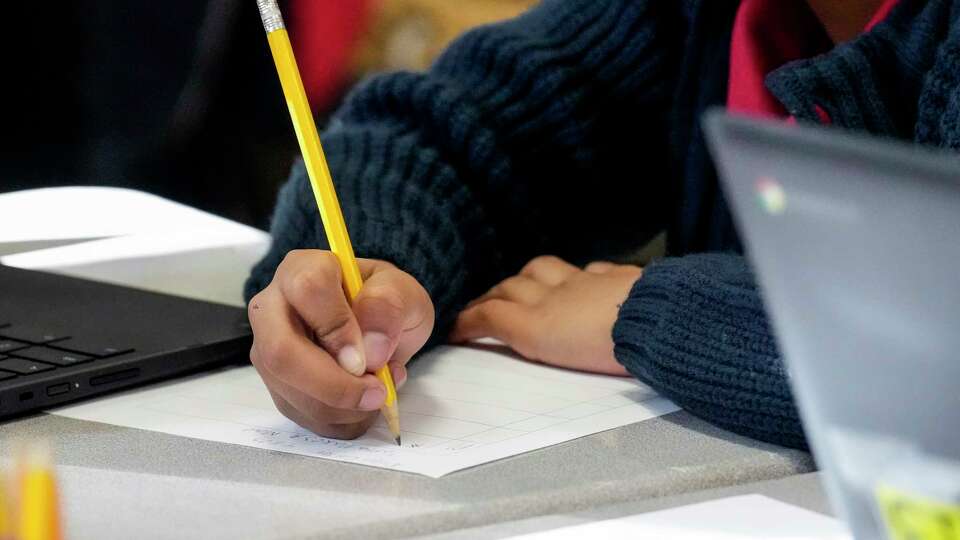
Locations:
column 26, row 351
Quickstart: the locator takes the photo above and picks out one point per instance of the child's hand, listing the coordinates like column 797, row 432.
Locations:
column 315, row 351
column 555, row 313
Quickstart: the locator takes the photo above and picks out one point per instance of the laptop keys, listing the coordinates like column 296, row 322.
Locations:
column 91, row 347
column 23, row 367
column 52, row 356
column 9, row 345
column 36, row 336
column 25, row 350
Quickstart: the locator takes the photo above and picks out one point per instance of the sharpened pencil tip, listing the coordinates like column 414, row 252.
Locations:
column 398, row 440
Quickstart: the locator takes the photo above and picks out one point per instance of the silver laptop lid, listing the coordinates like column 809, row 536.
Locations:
column 856, row 242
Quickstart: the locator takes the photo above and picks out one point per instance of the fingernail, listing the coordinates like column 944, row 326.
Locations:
column 377, row 347
column 399, row 376
column 373, row 398
column 349, row 359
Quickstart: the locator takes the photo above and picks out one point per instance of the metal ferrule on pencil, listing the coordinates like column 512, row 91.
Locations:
column 270, row 15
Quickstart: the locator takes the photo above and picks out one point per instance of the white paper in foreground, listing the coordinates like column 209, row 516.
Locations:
column 749, row 517
column 461, row 407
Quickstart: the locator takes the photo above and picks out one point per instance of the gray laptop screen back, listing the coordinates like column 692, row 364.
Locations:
column 857, row 245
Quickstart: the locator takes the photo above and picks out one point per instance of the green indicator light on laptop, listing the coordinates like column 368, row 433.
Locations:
column 770, row 195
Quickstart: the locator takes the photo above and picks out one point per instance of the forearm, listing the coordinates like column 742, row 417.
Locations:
column 694, row 329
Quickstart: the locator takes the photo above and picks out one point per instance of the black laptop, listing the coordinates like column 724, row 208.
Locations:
column 63, row 339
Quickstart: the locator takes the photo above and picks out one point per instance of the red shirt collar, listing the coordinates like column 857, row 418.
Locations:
column 768, row 34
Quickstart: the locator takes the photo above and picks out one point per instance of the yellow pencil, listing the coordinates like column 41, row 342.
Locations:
column 6, row 510
column 38, row 503
column 319, row 174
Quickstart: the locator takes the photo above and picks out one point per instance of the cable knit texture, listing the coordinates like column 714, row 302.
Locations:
column 705, row 343
column 574, row 130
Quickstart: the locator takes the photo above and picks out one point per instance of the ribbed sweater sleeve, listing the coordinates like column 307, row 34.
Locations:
column 523, row 139
column 694, row 329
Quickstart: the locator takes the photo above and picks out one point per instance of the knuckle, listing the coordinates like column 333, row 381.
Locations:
column 308, row 284
column 291, row 255
column 309, row 280
column 273, row 356
column 540, row 262
column 291, row 258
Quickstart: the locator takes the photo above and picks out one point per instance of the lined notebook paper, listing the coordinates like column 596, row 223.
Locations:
column 461, row 407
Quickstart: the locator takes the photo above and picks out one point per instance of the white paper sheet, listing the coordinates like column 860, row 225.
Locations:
column 749, row 517
column 67, row 213
column 461, row 407
column 129, row 238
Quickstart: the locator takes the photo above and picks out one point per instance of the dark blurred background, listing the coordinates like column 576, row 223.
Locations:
column 180, row 98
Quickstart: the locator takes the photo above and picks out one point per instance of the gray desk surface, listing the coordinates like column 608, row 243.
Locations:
column 125, row 483
column 802, row 490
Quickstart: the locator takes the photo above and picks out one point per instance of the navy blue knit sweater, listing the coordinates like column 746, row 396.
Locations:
column 462, row 174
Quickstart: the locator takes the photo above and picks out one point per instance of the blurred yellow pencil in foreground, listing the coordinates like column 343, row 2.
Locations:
column 6, row 510
column 320, row 179
column 38, row 504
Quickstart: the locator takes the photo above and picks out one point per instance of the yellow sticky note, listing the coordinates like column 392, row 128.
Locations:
column 912, row 517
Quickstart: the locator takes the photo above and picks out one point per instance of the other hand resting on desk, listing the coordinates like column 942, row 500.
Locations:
column 554, row 312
